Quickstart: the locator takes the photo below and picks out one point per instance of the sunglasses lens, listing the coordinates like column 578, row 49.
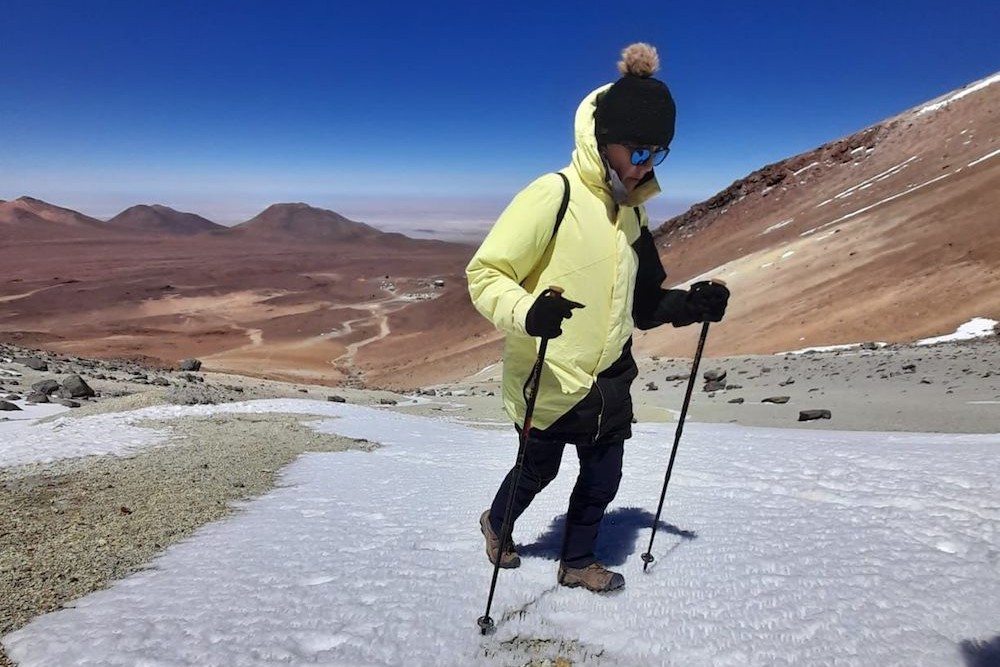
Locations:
column 660, row 155
column 639, row 155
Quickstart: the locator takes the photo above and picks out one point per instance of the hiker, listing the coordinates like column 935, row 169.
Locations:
column 601, row 253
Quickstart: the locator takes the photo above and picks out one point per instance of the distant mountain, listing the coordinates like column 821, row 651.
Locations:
column 890, row 234
column 301, row 222
column 163, row 220
column 27, row 218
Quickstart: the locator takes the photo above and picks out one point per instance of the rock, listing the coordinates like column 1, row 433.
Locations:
column 651, row 386
column 65, row 401
column 714, row 386
column 787, row 382
column 161, row 381
column 76, row 387
column 190, row 365
column 715, row 375
column 677, row 378
column 869, row 346
column 37, row 397
column 7, row 406
column 428, row 392
column 909, row 368
column 779, row 400
column 387, row 401
column 809, row 415
column 32, row 363
column 45, row 387
column 12, row 397
column 336, row 399
column 303, row 391
column 737, row 401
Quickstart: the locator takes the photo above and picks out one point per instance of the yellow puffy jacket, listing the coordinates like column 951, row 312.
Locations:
column 593, row 258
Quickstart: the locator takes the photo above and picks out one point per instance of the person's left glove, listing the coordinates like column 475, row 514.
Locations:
column 707, row 301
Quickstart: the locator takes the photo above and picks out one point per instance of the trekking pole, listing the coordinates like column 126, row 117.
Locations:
column 486, row 625
column 647, row 557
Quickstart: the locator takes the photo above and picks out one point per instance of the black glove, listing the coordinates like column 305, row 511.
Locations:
column 706, row 301
column 545, row 316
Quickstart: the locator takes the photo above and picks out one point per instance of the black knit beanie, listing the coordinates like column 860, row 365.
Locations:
column 636, row 109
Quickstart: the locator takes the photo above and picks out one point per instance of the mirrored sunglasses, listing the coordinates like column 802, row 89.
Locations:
column 641, row 154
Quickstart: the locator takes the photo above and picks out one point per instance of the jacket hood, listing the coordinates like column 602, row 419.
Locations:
column 587, row 160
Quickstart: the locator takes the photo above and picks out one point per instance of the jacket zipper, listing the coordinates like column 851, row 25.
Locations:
column 600, row 414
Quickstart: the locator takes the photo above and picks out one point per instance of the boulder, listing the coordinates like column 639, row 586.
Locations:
column 37, row 397
column 45, row 387
column 7, row 406
column 336, row 399
column 715, row 375
column 191, row 365
column 77, row 388
column 714, row 385
column 779, row 400
column 809, row 415
column 32, row 363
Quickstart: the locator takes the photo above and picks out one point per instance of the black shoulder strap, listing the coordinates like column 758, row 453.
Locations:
column 562, row 211
column 563, row 206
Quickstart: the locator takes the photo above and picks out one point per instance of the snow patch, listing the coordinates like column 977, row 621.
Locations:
column 988, row 156
column 960, row 94
column 978, row 327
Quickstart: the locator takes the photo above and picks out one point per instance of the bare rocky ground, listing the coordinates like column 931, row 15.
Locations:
column 71, row 528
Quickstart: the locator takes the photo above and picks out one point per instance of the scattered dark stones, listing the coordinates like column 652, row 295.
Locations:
column 387, row 401
column 787, row 382
column 336, row 399
column 737, row 401
column 677, row 378
column 651, row 386
column 810, row 415
column 7, row 406
column 778, row 400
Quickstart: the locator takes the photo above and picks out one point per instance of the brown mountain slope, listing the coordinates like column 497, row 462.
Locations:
column 162, row 220
column 303, row 222
column 890, row 234
column 27, row 218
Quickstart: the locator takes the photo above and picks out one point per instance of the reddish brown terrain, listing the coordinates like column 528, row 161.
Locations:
column 890, row 234
column 295, row 293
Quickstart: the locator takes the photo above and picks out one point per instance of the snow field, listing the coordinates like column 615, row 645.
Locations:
column 776, row 548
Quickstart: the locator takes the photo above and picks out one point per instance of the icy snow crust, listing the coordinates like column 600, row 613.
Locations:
column 776, row 548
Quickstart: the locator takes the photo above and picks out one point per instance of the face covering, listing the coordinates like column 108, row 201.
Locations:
column 618, row 189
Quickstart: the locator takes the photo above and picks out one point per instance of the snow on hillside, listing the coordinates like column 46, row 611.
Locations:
column 776, row 548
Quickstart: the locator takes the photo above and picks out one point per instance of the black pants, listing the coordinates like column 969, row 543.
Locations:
column 596, row 486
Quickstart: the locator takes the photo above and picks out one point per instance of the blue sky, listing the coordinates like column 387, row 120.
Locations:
column 429, row 114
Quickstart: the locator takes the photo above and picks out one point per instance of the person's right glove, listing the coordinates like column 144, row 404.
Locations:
column 707, row 301
column 545, row 317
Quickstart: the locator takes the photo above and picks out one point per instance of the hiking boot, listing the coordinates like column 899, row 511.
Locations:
column 509, row 559
column 595, row 577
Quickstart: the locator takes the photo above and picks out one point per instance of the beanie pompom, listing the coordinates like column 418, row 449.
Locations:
column 639, row 59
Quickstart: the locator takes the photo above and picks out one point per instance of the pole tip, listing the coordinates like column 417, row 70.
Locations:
column 486, row 625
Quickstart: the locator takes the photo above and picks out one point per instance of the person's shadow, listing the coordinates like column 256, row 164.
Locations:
column 981, row 653
column 615, row 542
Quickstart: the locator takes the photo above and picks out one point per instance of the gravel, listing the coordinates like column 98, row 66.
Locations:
column 73, row 527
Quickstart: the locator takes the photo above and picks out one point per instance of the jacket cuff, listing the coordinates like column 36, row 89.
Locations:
column 520, row 313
